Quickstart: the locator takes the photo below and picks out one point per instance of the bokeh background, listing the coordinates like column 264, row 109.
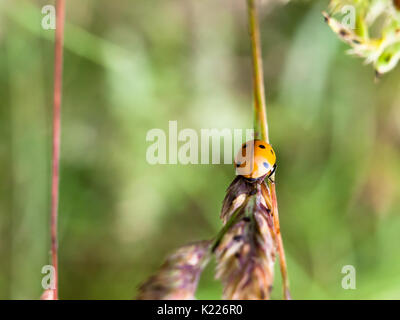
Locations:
column 131, row 66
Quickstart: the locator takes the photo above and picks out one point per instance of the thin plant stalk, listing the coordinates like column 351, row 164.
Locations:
column 261, row 128
column 279, row 241
column 58, row 62
column 260, row 124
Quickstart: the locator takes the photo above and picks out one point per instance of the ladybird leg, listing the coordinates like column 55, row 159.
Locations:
column 273, row 170
column 272, row 173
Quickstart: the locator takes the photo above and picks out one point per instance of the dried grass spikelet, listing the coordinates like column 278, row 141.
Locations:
column 236, row 194
column 246, row 252
column 178, row 277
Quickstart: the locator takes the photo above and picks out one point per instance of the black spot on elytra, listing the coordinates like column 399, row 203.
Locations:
column 262, row 146
column 343, row 33
column 272, row 151
column 237, row 238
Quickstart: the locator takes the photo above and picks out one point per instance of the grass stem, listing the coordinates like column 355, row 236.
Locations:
column 58, row 62
column 261, row 127
column 260, row 124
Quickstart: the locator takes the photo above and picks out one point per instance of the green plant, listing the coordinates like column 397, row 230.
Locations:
column 376, row 33
column 246, row 247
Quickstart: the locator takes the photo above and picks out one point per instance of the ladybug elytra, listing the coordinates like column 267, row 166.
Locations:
column 255, row 159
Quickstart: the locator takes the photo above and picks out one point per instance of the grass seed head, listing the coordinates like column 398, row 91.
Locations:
column 246, row 253
column 382, row 49
column 178, row 277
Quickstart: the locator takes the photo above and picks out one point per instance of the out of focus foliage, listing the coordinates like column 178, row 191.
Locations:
column 133, row 66
column 374, row 33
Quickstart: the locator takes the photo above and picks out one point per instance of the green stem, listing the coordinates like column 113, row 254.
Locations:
column 260, row 117
column 261, row 126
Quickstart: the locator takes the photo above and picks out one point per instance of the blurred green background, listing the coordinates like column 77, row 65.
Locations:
column 131, row 66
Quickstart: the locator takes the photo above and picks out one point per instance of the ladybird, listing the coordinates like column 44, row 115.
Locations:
column 255, row 159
